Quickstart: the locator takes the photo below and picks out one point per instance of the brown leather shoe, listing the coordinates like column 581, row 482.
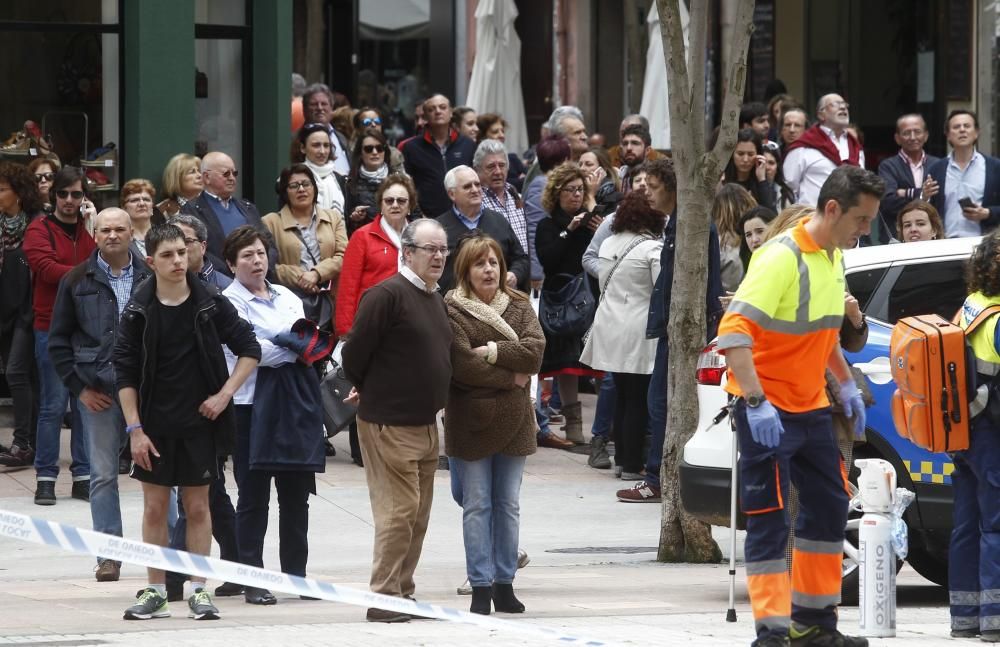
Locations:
column 555, row 442
column 108, row 571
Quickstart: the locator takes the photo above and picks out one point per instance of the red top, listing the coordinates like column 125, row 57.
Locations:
column 370, row 258
column 51, row 253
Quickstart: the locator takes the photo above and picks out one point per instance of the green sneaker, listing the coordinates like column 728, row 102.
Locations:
column 201, row 607
column 149, row 604
column 820, row 637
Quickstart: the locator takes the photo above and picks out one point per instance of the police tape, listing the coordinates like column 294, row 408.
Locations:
column 88, row 542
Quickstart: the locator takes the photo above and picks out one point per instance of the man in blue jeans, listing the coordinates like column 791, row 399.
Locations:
column 85, row 318
column 53, row 245
column 661, row 189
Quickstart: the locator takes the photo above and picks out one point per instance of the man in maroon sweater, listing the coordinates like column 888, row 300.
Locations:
column 53, row 245
column 401, row 326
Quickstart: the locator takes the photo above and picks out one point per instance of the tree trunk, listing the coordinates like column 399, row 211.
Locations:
column 682, row 537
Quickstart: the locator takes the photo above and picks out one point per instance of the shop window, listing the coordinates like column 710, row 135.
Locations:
column 395, row 57
column 66, row 82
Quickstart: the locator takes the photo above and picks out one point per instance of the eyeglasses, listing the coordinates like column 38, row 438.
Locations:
column 228, row 173
column 389, row 200
column 63, row 194
column 575, row 190
column 44, row 177
column 373, row 148
column 368, row 121
column 432, row 250
column 302, row 184
column 191, row 241
column 139, row 198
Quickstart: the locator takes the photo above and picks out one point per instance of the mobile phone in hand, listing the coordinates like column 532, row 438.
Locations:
column 967, row 203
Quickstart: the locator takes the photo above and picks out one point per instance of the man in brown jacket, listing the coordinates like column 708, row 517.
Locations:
column 401, row 326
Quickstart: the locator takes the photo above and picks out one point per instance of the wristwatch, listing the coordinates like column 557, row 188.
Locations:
column 754, row 400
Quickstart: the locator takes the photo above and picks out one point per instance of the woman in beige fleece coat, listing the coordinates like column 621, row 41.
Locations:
column 489, row 420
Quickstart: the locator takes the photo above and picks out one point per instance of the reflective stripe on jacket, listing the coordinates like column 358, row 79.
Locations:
column 983, row 339
column 788, row 310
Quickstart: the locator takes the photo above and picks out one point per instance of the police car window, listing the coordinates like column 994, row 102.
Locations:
column 925, row 288
column 862, row 284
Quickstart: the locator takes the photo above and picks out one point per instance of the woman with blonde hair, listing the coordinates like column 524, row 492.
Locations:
column 489, row 420
column 182, row 183
column 731, row 202
column 787, row 219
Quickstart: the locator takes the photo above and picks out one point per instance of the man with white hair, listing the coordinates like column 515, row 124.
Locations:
column 566, row 122
column 491, row 162
column 401, row 323
column 468, row 216
column 220, row 209
column 811, row 158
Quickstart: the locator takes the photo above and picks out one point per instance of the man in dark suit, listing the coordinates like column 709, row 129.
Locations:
column 968, row 197
column 467, row 214
column 219, row 210
column 905, row 174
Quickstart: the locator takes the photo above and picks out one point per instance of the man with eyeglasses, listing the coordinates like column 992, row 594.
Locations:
column 319, row 106
column 196, row 237
column 905, row 175
column 88, row 307
column 468, row 214
column 401, row 323
column 811, row 158
column 220, row 210
column 431, row 154
column 54, row 245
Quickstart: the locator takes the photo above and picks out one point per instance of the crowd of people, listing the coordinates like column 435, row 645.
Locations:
column 168, row 329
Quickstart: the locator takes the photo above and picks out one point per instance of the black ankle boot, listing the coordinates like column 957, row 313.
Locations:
column 504, row 600
column 481, row 596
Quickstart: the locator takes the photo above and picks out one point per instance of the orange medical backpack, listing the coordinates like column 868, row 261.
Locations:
column 933, row 368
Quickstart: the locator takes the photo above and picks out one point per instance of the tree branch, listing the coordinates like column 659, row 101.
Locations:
column 672, row 35
column 698, row 33
column 735, row 79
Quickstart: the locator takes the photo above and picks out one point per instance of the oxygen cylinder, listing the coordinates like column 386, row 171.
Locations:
column 877, row 581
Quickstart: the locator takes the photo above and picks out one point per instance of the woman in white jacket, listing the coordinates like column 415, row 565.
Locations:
column 629, row 264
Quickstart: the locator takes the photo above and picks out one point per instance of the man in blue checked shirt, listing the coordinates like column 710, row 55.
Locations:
column 85, row 320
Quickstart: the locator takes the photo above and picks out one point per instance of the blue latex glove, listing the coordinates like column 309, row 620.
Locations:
column 765, row 424
column 854, row 406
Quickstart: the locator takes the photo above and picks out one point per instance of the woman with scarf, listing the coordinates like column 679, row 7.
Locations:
column 19, row 204
column 369, row 168
column 489, row 419
column 313, row 148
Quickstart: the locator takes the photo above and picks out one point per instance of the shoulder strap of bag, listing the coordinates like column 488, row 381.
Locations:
column 303, row 241
column 621, row 258
column 981, row 318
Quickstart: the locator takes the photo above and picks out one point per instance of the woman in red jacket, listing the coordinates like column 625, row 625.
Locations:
column 373, row 255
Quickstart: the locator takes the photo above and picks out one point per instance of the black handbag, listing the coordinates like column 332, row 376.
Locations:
column 568, row 310
column 334, row 387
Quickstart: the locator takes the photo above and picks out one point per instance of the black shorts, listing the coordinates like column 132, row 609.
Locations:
column 187, row 461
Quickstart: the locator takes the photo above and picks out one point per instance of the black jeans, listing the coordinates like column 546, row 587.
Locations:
column 631, row 420
column 294, row 488
column 17, row 348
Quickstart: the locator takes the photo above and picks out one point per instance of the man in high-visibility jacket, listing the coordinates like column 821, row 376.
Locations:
column 779, row 335
column 974, row 553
